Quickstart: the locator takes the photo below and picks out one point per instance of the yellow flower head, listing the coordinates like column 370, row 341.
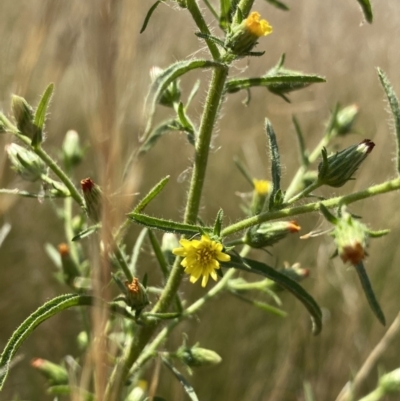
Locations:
column 262, row 187
column 256, row 26
column 201, row 258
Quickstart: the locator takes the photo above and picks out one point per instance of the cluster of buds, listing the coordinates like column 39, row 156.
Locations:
column 268, row 234
column 26, row 163
column 337, row 169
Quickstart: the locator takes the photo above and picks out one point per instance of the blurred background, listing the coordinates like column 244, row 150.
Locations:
column 100, row 65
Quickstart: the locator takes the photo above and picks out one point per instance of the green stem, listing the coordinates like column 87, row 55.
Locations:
column 295, row 183
column 142, row 337
column 202, row 25
column 388, row 186
column 54, row 168
column 305, row 192
column 245, row 7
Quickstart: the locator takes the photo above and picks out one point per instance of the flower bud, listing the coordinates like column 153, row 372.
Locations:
column 93, row 199
column 26, row 163
column 262, row 189
column 68, row 265
column 136, row 297
column 171, row 94
column 351, row 238
column 390, row 382
column 338, row 168
column 55, row 374
column 267, row 234
column 139, row 392
column 83, row 340
column 6, row 125
column 344, row 119
column 196, row 356
column 244, row 36
column 72, row 150
column 23, row 114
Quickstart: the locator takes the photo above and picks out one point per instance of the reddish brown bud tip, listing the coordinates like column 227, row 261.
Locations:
column 63, row 249
column 369, row 144
column 134, row 286
column 353, row 254
column 87, row 184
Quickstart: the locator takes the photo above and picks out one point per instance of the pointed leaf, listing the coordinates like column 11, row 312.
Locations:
column 185, row 384
column 369, row 293
column 394, row 106
column 151, row 194
column 278, row 4
column 299, row 292
column 162, row 262
column 149, row 14
column 165, row 78
column 167, row 225
column 224, row 17
column 275, row 158
column 43, row 313
column 136, row 251
column 242, row 168
column 40, row 115
column 218, row 223
column 300, row 139
column 327, row 214
column 85, row 233
column 367, row 10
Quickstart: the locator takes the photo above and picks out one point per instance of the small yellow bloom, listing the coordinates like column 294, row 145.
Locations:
column 262, row 187
column 201, row 258
column 256, row 26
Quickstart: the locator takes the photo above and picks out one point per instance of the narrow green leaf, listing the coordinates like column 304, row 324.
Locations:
column 167, row 225
column 369, row 293
column 218, row 223
column 261, row 305
column 136, row 251
column 275, row 159
column 299, row 292
column 151, row 194
column 367, row 10
column 242, row 168
column 149, row 14
column 162, row 316
column 185, row 384
column 159, row 254
column 40, row 115
column 278, row 4
column 224, row 17
column 162, row 81
column 85, row 233
column 185, row 121
column 394, row 106
column 300, row 140
column 193, row 93
column 286, row 83
column 327, row 214
column 43, row 313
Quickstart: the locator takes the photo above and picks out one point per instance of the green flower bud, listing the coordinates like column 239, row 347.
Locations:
column 6, row 125
column 196, row 356
column 72, row 150
column 351, row 238
column 243, row 37
column 26, row 163
column 390, row 382
column 82, row 340
column 136, row 297
column 24, row 116
column 139, row 392
column 171, row 94
column 93, row 199
column 68, row 265
column 345, row 118
column 268, row 234
column 55, row 374
column 339, row 168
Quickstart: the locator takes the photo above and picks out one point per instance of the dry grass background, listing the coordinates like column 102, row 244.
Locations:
column 100, row 67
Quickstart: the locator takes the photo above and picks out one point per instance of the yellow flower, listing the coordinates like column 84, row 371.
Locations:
column 201, row 258
column 262, row 187
column 256, row 26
